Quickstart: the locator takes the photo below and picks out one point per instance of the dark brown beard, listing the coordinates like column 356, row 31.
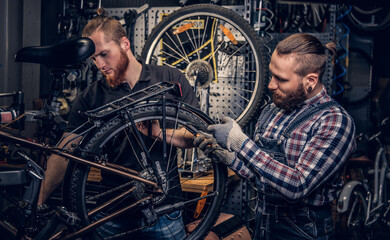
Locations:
column 119, row 73
column 292, row 101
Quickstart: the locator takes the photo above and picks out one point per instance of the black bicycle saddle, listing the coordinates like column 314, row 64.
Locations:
column 60, row 55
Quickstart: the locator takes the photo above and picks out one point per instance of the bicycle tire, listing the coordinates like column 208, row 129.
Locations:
column 351, row 222
column 78, row 190
column 236, row 89
column 360, row 19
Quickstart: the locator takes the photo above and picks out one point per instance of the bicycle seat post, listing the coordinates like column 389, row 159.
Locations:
column 53, row 105
column 18, row 101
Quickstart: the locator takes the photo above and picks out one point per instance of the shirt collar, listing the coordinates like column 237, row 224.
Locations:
column 145, row 73
column 320, row 97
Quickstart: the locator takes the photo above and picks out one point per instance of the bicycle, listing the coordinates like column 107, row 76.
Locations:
column 364, row 200
column 93, row 184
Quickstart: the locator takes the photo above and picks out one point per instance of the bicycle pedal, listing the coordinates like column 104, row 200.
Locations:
column 70, row 218
column 43, row 214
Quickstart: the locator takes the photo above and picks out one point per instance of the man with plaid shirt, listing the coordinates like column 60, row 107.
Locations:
column 300, row 145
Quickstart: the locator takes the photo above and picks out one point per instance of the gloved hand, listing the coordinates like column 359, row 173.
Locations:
column 228, row 134
column 206, row 143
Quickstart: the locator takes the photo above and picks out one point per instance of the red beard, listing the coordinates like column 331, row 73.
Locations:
column 119, row 73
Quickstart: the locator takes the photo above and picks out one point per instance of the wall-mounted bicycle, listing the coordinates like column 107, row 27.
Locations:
column 364, row 201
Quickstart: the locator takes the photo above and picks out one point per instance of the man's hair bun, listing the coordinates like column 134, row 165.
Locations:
column 101, row 11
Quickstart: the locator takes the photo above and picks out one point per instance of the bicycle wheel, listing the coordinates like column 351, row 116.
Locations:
column 89, row 188
column 353, row 221
column 220, row 54
column 369, row 20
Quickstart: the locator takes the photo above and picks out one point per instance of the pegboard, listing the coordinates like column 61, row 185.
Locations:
column 358, row 80
column 240, row 200
column 139, row 28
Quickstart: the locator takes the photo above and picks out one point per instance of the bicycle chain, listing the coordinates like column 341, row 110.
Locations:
column 109, row 191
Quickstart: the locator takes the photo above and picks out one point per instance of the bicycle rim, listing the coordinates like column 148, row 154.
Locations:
column 369, row 20
column 220, row 54
column 89, row 189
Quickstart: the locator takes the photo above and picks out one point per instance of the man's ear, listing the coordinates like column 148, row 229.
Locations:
column 125, row 44
column 311, row 80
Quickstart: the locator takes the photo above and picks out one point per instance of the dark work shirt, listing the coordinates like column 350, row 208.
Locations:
column 100, row 93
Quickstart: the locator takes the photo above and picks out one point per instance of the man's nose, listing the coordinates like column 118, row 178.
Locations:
column 99, row 63
column 272, row 85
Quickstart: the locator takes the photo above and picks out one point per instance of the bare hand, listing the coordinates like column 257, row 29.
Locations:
column 144, row 126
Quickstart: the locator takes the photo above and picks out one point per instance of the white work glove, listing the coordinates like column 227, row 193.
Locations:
column 228, row 134
column 206, row 143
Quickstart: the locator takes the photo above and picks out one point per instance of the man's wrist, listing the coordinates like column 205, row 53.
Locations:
column 237, row 140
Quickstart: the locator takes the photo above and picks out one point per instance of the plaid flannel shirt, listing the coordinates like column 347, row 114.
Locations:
column 316, row 151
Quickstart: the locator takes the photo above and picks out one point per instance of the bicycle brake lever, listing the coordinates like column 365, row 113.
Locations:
column 32, row 190
column 34, row 170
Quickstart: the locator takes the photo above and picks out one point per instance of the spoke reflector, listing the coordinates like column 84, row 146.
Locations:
column 183, row 28
column 200, row 205
column 228, row 34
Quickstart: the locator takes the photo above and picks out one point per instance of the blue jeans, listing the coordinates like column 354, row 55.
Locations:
column 289, row 222
column 169, row 226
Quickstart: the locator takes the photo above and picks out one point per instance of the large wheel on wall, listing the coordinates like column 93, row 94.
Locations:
column 220, row 54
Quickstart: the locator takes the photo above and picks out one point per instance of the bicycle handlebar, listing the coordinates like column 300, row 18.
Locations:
column 16, row 109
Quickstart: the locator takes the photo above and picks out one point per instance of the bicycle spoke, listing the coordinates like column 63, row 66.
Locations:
column 167, row 64
column 215, row 51
column 192, row 42
column 204, row 32
column 181, row 45
column 241, row 79
column 237, row 88
column 173, row 136
column 199, row 39
column 182, row 57
column 231, row 55
column 132, row 148
column 213, row 36
column 166, row 53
